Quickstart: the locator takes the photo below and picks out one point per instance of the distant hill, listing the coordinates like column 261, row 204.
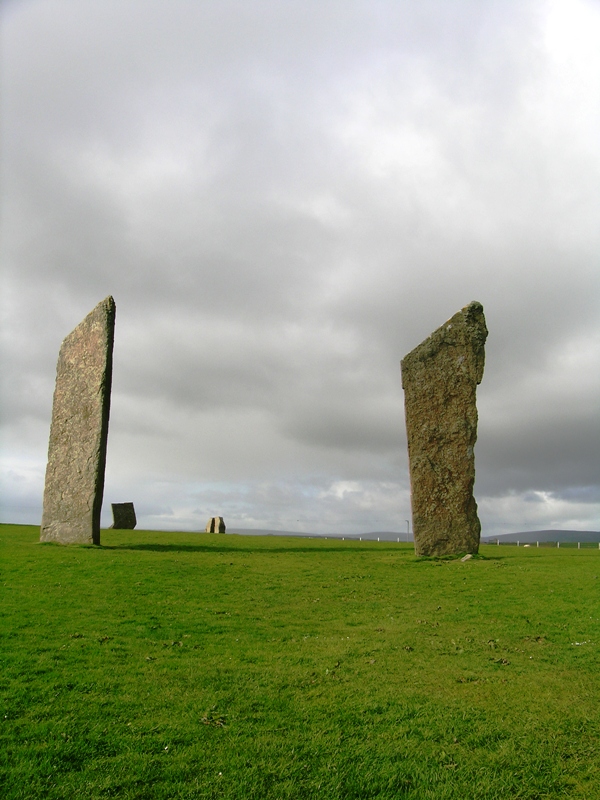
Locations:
column 530, row 537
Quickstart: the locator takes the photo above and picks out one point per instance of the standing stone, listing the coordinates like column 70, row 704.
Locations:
column 215, row 525
column 124, row 518
column 79, row 430
column 440, row 378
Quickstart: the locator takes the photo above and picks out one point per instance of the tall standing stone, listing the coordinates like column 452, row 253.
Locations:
column 79, row 430
column 440, row 378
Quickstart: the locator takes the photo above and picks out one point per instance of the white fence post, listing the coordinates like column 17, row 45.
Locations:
column 537, row 544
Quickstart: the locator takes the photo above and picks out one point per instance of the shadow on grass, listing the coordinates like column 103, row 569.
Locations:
column 205, row 548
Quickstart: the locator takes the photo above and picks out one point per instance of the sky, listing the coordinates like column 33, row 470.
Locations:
column 285, row 197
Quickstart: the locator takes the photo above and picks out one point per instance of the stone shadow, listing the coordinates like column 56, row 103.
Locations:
column 206, row 548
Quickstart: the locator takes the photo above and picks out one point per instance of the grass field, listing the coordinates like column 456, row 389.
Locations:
column 166, row 665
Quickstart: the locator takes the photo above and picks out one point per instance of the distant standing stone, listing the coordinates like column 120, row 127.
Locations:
column 215, row 525
column 123, row 516
column 440, row 378
column 78, row 433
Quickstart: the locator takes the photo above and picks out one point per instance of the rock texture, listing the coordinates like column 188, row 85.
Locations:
column 215, row 525
column 77, row 450
column 440, row 378
column 123, row 516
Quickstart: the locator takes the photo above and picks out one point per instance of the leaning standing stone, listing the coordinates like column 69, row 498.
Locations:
column 124, row 518
column 440, row 378
column 79, row 430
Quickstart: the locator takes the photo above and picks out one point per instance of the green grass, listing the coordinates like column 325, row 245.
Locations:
column 166, row 665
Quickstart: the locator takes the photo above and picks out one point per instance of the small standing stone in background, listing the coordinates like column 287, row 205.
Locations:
column 440, row 378
column 215, row 525
column 123, row 516
column 79, row 430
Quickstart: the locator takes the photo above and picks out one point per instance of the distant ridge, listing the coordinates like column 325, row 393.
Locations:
column 529, row 537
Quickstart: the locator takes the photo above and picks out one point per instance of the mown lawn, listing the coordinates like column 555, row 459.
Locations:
column 166, row 665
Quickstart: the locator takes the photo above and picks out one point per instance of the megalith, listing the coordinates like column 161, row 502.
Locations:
column 78, row 433
column 440, row 378
column 215, row 525
column 124, row 518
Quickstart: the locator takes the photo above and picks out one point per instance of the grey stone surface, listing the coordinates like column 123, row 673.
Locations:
column 215, row 525
column 124, row 518
column 440, row 379
column 78, row 433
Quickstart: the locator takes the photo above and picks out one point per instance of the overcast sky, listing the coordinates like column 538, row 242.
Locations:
column 285, row 197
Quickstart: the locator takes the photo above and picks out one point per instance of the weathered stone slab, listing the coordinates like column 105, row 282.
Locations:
column 215, row 525
column 440, row 378
column 124, row 518
column 78, row 433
